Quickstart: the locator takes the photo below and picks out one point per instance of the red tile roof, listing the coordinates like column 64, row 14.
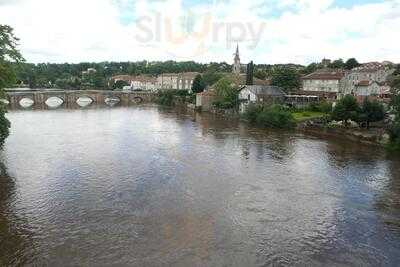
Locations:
column 325, row 74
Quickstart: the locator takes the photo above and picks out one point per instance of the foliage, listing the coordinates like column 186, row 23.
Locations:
column 397, row 70
column 351, row 63
column 4, row 125
column 275, row 116
column 227, row 94
column 198, row 85
column 260, row 74
column 307, row 115
column 346, row 109
column 324, row 107
column 286, row 78
column 167, row 97
column 250, row 74
column 210, row 77
column 120, row 84
column 371, row 112
column 395, row 83
column 395, row 104
column 337, row 64
column 8, row 54
column 311, row 68
column 395, row 127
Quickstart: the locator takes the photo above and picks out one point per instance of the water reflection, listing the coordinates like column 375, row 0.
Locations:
column 146, row 186
column 14, row 237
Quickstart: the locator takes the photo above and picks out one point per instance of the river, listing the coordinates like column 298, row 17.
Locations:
column 143, row 186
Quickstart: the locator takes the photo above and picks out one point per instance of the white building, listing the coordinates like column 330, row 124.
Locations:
column 265, row 94
column 176, row 81
column 323, row 82
column 140, row 82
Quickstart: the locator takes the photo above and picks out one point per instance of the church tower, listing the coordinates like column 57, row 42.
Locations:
column 236, row 64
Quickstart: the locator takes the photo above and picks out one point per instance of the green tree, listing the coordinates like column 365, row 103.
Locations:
column 227, row 93
column 210, row 77
column 8, row 53
column 351, row 63
column 250, row 74
column 275, row 116
column 310, row 68
column 198, row 85
column 346, row 109
column 395, row 83
column 120, row 84
column 337, row 64
column 260, row 74
column 371, row 112
column 286, row 78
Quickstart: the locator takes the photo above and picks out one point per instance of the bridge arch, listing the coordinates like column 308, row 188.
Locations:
column 54, row 101
column 84, row 101
column 112, row 100
column 138, row 100
column 26, row 102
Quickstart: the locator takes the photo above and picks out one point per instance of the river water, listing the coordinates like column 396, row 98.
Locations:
column 143, row 186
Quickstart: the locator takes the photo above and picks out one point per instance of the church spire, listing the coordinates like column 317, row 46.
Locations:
column 236, row 61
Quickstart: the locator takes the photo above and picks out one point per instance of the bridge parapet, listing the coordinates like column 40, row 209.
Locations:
column 70, row 98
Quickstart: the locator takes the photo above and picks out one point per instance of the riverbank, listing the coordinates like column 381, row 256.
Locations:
column 372, row 136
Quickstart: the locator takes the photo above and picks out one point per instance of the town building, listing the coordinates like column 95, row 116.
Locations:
column 368, row 80
column 145, row 83
column 89, row 71
column 140, row 82
column 176, row 81
column 324, row 83
column 260, row 94
column 205, row 100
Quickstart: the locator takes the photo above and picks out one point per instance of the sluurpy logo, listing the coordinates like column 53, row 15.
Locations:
column 192, row 34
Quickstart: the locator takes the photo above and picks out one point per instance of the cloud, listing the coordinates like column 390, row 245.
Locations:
column 298, row 31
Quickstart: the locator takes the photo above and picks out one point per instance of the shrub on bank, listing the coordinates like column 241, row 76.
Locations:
column 167, row 97
column 4, row 125
column 275, row 116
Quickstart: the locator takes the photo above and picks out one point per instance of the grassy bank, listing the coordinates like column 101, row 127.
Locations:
column 301, row 116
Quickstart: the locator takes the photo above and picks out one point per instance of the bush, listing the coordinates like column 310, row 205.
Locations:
column 371, row 112
column 166, row 98
column 346, row 109
column 275, row 116
column 4, row 125
column 252, row 112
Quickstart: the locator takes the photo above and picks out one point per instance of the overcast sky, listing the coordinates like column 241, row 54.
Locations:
column 268, row 31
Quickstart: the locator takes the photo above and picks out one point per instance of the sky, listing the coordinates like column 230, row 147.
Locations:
column 267, row 31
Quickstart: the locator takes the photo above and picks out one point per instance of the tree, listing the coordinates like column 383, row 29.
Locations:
column 346, row 109
column 227, row 93
column 395, row 83
column 120, row 84
column 250, row 74
column 351, row 63
column 210, row 77
column 287, row 78
column 310, row 68
column 397, row 70
column 198, row 85
column 261, row 74
column 371, row 112
column 337, row 64
column 8, row 54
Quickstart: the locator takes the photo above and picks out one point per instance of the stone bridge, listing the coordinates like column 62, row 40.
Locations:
column 69, row 99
